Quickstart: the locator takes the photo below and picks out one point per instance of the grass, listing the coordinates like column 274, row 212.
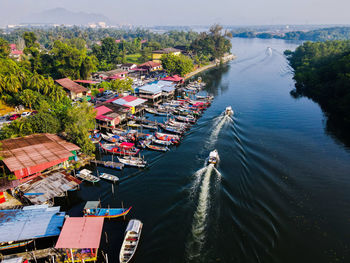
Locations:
column 133, row 58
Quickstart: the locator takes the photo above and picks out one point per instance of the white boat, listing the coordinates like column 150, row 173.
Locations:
column 131, row 240
column 109, row 177
column 133, row 161
column 87, row 176
column 213, row 157
column 161, row 142
column 228, row 111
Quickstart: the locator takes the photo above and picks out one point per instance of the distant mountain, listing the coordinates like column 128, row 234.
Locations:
column 64, row 16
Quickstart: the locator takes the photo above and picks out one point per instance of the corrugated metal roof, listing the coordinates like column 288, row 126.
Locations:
column 81, row 232
column 34, row 150
column 151, row 88
column 30, row 223
column 168, row 88
column 129, row 101
column 49, row 186
column 71, row 85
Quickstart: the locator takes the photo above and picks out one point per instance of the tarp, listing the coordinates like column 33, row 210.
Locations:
column 31, row 222
column 81, row 232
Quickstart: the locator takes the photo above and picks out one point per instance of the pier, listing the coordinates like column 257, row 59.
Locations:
column 109, row 164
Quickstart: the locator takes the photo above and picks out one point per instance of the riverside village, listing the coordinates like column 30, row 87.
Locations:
column 83, row 112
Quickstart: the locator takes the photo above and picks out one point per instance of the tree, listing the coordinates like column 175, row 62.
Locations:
column 28, row 97
column 122, row 85
column 79, row 120
column 174, row 64
column 4, row 48
column 30, row 39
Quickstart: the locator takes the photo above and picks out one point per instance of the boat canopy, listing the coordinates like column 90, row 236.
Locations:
column 91, row 205
column 134, row 226
column 127, row 145
column 81, row 232
column 213, row 153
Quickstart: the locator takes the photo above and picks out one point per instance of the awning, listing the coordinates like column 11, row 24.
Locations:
column 81, row 232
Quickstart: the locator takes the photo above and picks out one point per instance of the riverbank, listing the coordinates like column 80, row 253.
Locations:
column 214, row 64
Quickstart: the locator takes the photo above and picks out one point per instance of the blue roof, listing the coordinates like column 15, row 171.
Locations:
column 158, row 86
column 151, row 88
column 168, row 88
column 31, row 222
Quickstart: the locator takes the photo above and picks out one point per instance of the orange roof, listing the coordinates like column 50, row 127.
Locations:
column 71, row 85
column 81, row 232
column 150, row 64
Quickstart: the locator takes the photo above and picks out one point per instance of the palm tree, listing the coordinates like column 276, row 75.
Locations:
column 13, row 84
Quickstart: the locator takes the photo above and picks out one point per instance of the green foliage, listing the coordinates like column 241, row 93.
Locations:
column 212, row 45
column 30, row 39
column 122, row 85
column 322, row 72
column 180, row 64
column 77, row 123
column 28, row 97
column 4, row 48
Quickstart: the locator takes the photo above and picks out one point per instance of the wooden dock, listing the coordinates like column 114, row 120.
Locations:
column 109, row 164
column 33, row 255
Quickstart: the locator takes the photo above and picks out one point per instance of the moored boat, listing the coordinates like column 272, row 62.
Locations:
column 109, row 177
column 133, row 161
column 157, row 148
column 151, row 110
column 123, row 148
column 131, row 240
column 92, row 209
column 161, row 142
column 87, row 176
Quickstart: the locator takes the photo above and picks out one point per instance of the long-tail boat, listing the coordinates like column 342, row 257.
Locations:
column 92, row 209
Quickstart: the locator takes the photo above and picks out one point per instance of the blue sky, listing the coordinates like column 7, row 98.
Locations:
column 192, row 12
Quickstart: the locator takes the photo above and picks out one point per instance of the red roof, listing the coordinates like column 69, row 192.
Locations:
column 16, row 52
column 129, row 98
column 175, row 78
column 150, row 64
column 71, row 85
column 13, row 46
column 86, row 81
column 81, row 232
column 102, row 110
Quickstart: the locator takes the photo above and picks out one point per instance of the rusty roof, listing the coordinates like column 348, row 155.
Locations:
column 71, row 85
column 33, row 150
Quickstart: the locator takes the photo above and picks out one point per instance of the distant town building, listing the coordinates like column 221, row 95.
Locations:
column 15, row 53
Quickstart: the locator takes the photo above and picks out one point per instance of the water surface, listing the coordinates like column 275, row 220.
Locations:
column 279, row 194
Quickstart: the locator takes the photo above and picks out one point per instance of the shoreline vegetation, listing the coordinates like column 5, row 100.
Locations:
column 321, row 34
column 322, row 73
column 225, row 59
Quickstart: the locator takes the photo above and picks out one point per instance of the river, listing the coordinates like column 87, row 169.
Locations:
column 279, row 194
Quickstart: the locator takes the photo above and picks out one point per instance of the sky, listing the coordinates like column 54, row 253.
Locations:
column 191, row 12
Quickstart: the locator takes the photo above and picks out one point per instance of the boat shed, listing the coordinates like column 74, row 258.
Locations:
column 81, row 237
column 45, row 187
column 27, row 156
column 151, row 92
column 30, row 222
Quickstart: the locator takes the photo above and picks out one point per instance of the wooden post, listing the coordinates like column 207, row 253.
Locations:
column 123, row 208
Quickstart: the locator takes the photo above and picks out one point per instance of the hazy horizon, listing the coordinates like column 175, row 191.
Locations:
column 195, row 12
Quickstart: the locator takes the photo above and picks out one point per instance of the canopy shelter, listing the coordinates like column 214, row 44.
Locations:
column 80, row 238
column 30, row 222
column 175, row 78
column 92, row 205
column 81, row 232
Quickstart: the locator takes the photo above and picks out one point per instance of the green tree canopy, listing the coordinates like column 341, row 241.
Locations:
column 174, row 64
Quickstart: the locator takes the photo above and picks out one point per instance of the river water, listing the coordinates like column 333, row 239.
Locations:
column 279, row 194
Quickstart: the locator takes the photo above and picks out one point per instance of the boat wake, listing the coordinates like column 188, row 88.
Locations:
column 197, row 238
column 218, row 126
column 197, row 179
